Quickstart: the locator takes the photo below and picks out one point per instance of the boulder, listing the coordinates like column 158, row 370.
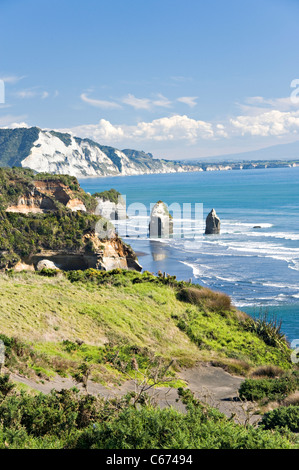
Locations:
column 46, row 264
column 212, row 223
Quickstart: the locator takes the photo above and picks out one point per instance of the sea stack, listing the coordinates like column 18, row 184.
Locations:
column 212, row 223
column 161, row 223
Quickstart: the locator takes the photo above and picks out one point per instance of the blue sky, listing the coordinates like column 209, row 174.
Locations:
column 180, row 79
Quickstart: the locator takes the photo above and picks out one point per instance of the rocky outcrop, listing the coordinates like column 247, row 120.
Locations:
column 59, row 239
column 34, row 202
column 212, row 223
column 161, row 223
column 104, row 255
column 43, row 197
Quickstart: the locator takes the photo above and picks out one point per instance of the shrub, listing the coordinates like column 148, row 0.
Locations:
column 49, row 272
column 283, row 417
column 155, row 428
column 270, row 389
column 6, row 386
column 57, row 413
column 108, row 195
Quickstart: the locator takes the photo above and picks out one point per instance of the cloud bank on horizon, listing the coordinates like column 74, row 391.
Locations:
column 261, row 117
column 183, row 81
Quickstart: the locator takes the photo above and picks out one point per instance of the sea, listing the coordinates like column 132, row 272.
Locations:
column 254, row 259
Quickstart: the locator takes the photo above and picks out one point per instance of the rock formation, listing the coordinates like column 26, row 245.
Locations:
column 68, row 236
column 43, row 196
column 111, row 210
column 161, row 224
column 212, row 223
column 105, row 255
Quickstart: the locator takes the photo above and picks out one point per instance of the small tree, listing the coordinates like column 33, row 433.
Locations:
column 83, row 374
column 153, row 376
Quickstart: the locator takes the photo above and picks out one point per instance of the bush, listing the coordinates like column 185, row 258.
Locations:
column 57, row 413
column 108, row 195
column 6, row 386
column 267, row 389
column 283, row 417
column 49, row 272
column 66, row 419
column 155, row 428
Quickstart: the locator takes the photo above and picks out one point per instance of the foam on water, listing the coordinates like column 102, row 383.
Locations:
column 256, row 266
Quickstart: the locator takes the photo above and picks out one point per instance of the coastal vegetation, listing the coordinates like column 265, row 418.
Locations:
column 111, row 326
column 18, row 182
column 109, row 195
column 69, row 420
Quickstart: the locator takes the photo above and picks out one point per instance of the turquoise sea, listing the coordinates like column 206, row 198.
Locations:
column 257, row 267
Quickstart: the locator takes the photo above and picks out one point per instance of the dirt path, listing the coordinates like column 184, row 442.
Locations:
column 210, row 384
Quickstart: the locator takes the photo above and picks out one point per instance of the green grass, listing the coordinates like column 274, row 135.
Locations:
column 96, row 316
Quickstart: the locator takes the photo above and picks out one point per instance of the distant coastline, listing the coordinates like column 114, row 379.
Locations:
column 248, row 165
column 223, row 166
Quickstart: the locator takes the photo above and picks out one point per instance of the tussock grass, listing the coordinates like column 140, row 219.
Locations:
column 214, row 301
column 292, row 400
column 269, row 371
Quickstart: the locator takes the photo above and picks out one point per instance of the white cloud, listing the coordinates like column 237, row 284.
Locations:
column 162, row 101
column 189, row 100
column 271, row 123
column 10, row 122
column 103, row 131
column 174, row 128
column 146, row 103
column 31, row 93
column 220, row 130
column 18, row 125
column 255, row 105
column 99, row 103
column 137, row 103
column 11, row 78
column 25, row 94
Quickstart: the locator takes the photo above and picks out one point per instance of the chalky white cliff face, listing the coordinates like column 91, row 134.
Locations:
column 77, row 158
column 57, row 153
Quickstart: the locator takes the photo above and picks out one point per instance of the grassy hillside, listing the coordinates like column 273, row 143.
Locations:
column 119, row 324
column 107, row 318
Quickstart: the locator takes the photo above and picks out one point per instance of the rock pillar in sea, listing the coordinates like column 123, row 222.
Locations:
column 212, row 223
column 161, row 223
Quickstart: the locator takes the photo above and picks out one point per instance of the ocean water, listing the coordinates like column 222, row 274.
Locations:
column 257, row 267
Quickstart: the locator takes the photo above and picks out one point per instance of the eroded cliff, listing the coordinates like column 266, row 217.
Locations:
column 51, row 218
